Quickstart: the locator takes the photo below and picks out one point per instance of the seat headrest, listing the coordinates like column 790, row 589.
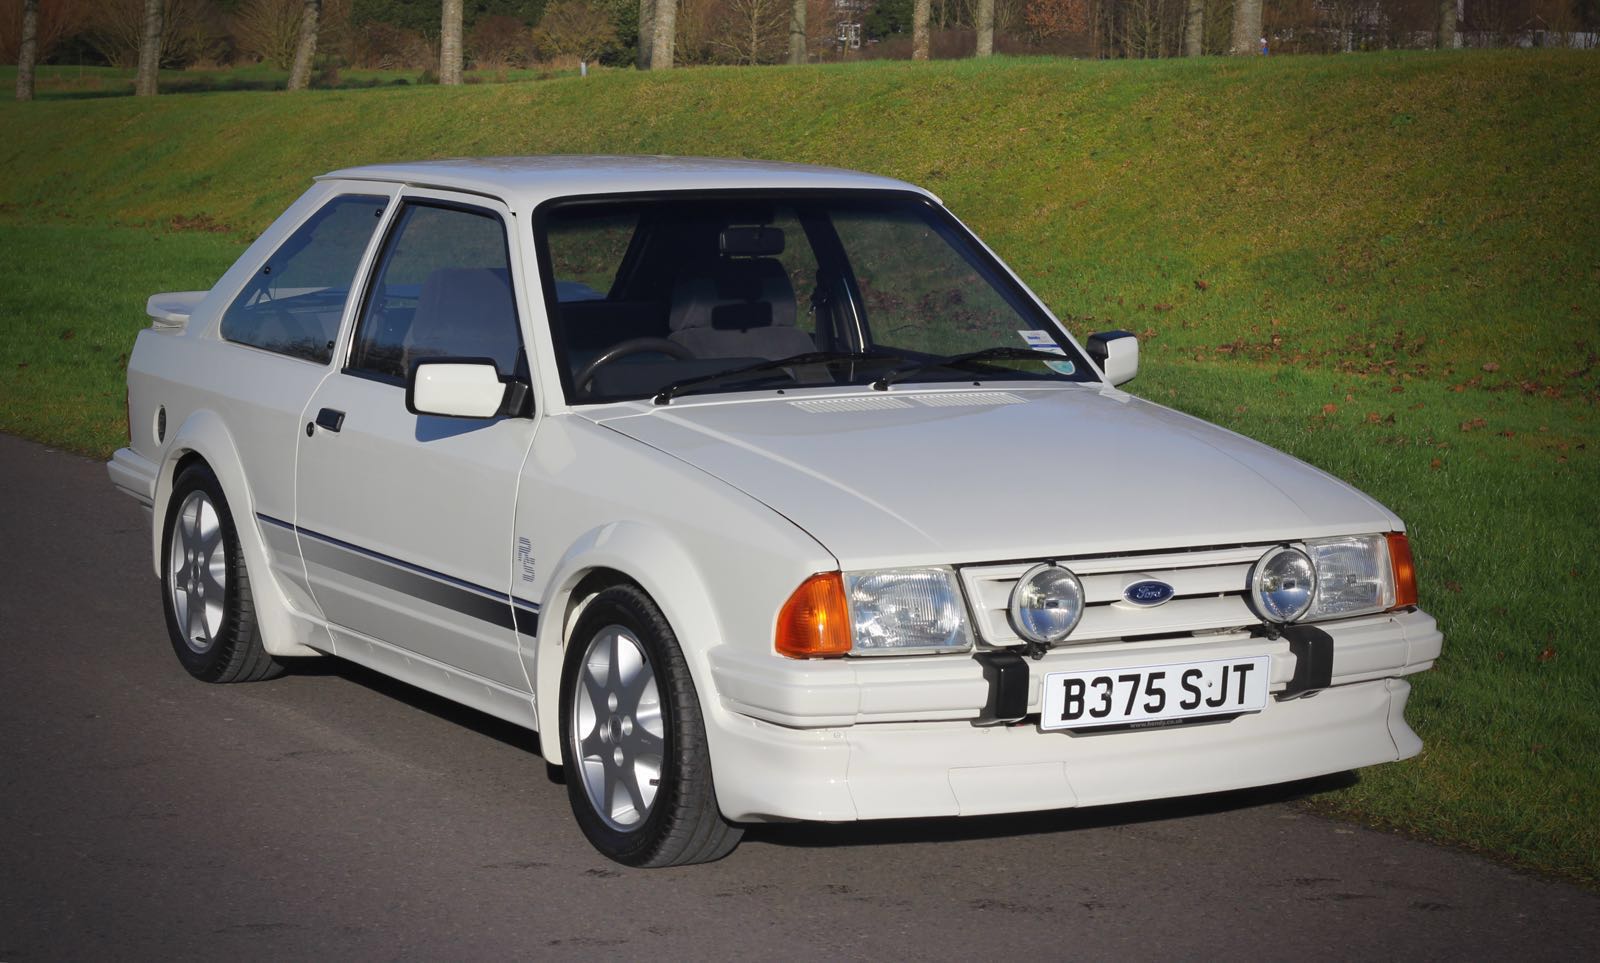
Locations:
column 740, row 294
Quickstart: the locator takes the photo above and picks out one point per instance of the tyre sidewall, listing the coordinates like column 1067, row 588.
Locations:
column 212, row 663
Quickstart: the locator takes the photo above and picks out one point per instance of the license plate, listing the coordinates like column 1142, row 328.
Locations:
column 1153, row 693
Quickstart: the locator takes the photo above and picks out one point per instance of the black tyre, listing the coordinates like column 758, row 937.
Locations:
column 205, row 588
column 637, row 769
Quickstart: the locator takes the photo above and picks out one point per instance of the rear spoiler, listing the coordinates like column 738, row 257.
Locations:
column 172, row 309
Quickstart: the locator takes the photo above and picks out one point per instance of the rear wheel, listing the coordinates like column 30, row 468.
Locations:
column 637, row 769
column 206, row 590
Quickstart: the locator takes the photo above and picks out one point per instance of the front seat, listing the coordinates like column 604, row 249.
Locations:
column 745, row 309
column 466, row 313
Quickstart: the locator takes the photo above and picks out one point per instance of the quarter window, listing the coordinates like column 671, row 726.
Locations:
column 293, row 303
column 443, row 290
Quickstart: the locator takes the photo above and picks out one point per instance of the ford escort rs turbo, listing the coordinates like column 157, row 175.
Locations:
column 760, row 491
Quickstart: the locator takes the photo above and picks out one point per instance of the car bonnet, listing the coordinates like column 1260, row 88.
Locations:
column 912, row 476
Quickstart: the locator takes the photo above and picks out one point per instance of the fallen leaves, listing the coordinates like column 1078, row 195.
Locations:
column 1473, row 425
column 1491, row 366
column 1547, row 654
column 1200, row 285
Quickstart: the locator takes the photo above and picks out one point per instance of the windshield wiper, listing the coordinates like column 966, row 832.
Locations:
column 665, row 395
column 964, row 361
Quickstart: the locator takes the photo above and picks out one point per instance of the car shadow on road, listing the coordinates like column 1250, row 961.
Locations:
column 945, row 829
column 481, row 723
column 868, row 832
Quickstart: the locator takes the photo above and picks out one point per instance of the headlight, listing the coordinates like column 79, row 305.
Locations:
column 905, row 610
column 1354, row 576
column 1046, row 603
column 1282, row 584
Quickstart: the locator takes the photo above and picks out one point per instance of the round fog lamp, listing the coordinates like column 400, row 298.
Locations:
column 1282, row 584
column 1046, row 603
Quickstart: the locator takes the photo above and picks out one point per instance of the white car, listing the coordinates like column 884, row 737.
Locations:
column 760, row 491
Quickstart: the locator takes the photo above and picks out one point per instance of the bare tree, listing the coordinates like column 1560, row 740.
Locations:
column 797, row 32
column 574, row 28
column 306, row 50
column 985, row 28
column 919, row 29
column 1246, row 27
column 28, row 50
column 1194, row 28
column 647, row 18
column 450, row 43
column 751, row 31
column 149, row 50
column 666, row 31
column 1447, row 24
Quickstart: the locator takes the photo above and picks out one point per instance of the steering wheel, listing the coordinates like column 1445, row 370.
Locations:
column 623, row 349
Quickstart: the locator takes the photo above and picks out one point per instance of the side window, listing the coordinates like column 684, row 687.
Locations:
column 587, row 252
column 442, row 290
column 293, row 303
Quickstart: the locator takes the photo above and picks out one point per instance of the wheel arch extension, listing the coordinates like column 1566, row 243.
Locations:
column 204, row 439
column 630, row 553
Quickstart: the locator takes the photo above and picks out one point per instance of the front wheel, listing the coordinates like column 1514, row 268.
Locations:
column 637, row 769
column 206, row 590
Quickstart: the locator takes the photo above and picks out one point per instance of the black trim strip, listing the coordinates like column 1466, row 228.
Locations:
column 437, row 588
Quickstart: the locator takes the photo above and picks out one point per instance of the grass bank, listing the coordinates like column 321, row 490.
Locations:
column 1385, row 265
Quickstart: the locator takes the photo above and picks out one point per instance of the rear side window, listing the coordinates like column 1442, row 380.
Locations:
column 294, row 302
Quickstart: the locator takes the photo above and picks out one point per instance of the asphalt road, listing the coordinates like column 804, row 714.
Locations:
column 332, row 813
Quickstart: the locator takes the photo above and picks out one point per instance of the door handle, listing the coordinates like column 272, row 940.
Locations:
column 330, row 419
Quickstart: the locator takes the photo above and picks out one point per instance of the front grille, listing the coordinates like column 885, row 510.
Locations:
column 1209, row 589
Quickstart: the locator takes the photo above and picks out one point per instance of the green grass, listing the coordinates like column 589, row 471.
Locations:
column 1411, row 239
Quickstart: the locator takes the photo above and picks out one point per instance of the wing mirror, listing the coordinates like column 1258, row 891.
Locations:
column 1117, row 354
column 463, row 388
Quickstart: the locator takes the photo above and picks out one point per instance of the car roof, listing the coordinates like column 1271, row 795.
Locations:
column 524, row 182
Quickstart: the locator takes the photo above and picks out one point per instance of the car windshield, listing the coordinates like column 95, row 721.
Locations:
column 659, row 297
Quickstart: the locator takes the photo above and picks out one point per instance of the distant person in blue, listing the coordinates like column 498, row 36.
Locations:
column 1263, row 46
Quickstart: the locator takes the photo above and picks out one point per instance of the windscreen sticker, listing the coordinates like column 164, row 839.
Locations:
column 1061, row 367
column 1042, row 341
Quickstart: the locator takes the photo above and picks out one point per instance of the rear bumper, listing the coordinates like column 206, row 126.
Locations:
column 891, row 770
column 134, row 474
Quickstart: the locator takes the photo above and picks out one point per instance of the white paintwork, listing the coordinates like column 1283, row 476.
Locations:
column 457, row 390
column 1122, row 360
column 720, row 505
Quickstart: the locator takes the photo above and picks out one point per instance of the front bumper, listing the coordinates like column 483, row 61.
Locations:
column 891, row 770
column 877, row 739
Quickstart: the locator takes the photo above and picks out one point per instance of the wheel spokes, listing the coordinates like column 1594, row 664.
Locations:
column 616, row 727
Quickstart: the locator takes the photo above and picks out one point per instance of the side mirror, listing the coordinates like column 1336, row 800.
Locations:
column 455, row 388
column 1117, row 354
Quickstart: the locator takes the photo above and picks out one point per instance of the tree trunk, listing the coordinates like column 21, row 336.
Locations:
column 919, row 29
column 144, row 84
column 647, row 21
column 1246, row 28
column 450, row 43
column 666, row 32
column 1194, row 29
column 797, row 33
column 306, row 50
column 1447, row 24
column 28, row 50
column 985, row 28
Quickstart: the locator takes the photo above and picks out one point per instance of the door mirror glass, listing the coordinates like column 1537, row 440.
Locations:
column 455, row 388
